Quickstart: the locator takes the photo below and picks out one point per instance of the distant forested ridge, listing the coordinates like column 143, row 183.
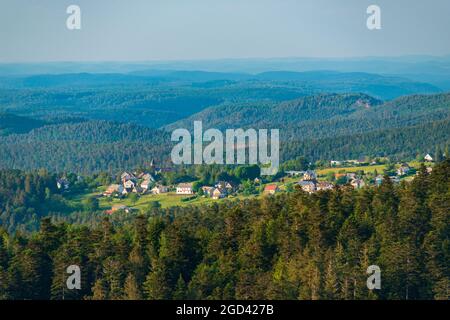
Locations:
column 91, row 122
column 289, row 246
column 325, row 115
column 84, row 147
column 157, row 98
column 319, row 127
column 397, row 144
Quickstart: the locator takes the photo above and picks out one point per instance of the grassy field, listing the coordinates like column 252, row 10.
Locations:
column 366, row 169
column 166, row 200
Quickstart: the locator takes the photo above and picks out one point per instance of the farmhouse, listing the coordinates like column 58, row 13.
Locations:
column 224, row 185
column 307, row 185
column 185, row 188
column 208, row 191
column 146, row 184
column 114, row 189
column 271, row 189
column 309, row 175
column 428, row 158
column 127, row 176
column 160, row 189
column 219, row 193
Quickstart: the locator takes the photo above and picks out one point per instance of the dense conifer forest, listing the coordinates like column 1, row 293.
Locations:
column 289, row 246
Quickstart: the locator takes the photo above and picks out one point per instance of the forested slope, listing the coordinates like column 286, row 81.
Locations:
column 84, row 147
column 290, row 246
column 326, row 126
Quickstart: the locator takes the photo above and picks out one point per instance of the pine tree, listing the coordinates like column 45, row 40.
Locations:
column 131, row 288
column 100, row 290
column 331, row 285
column 155, row 285
column 180, row 292
column 438, row 155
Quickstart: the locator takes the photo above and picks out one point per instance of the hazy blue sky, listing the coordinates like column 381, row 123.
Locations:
column 35, row 30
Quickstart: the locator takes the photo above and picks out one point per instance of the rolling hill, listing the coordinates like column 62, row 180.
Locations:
column 319, row 127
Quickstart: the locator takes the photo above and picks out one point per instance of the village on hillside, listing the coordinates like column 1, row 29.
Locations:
column 134, row 188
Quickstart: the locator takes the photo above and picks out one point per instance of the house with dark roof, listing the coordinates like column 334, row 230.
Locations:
column 307, row 185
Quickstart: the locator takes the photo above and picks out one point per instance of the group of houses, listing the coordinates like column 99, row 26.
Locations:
column 145, row 183
column 220, row 190
column 310, row 184
column 142, row 183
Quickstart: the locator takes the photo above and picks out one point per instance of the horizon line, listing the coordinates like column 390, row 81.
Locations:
column 365, row 57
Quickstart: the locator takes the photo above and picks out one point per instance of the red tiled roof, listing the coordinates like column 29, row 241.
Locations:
column 271, row 187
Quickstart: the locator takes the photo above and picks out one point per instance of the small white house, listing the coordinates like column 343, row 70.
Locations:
column 428, row 158
column 160, row 189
